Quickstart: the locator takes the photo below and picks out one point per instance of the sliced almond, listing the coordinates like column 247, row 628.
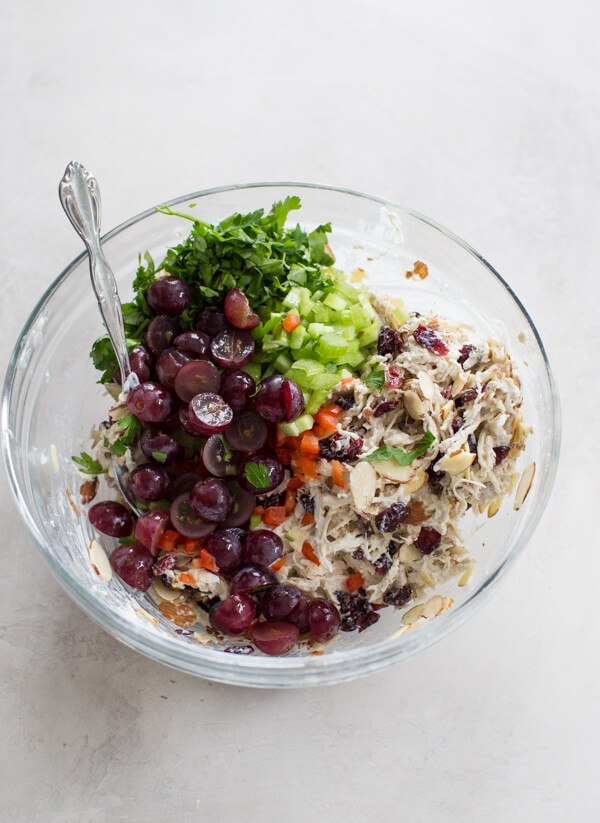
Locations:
column 433, row 607
column 408, row 554
column 464, row 578
column 459, row 383
column 457, row 551
column 163, row 592
column 87, row 490
column 414, row 405
column 427, row 579
column 413, row 614
column 363, row 480
column 178, row 613
column 524, row 486
column 417, row 513
column 416, row 482
column 100, row 561
column 494, row 506
column 456, row 463
column 54, row 459
column 427, row 385
column 392, row 471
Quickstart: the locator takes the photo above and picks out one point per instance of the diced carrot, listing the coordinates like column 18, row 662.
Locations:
column 331, row 409
column 295, row 483
column 304, row 464
column 187, row 578
column 307, row 519
column 346, row 380
column 191, row 546
column 319, row 431
column 280, row 437
column 290, row 322
column 328, row 422
column 278, row 564
column 260, row 510
column 290, row 500
column 309, row 553
column 169, row 540
column 274, row 516
column 208, row 561
column 197, row 563
column 309, row 443
column 284, row 455
column 354, row 582
column 337, row 472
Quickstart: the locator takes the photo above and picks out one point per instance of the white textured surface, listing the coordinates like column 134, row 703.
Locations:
column 486, row 119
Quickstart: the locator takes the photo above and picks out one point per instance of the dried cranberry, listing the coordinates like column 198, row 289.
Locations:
column 273, row 500
column 307, row 503
column 348, row 624
column 465, row 353
column 389, row 341
column 166, row 581
column 398, row 597
column 428, row 540
column 358, row 554
column 367, row 620
column 447, row 393
column 382, row 564
column 239, row 649
column 165, row 564
column 394, row 376
column 472, row 443
column 384, row 408
column 345, row 601
column 429, row 340
column 501, row 453
column 339, row 447
column 366, row 527
column 389, row 519
column 456, row 424
column 466, row 397
column 345, row 402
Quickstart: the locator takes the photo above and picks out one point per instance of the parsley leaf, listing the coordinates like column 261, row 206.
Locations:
column 257, row 475
column 127, row 541
column 228, row 454
column 401, row 457
column 87, row 464
column 160, row 457
column 376, row 378
column 132, row 428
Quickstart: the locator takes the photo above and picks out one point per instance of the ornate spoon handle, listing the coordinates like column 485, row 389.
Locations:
column 80, row 198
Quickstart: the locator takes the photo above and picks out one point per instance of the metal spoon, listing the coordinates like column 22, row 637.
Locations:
column 80, row 198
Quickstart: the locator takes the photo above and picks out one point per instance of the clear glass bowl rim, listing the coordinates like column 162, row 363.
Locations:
column 286, row 671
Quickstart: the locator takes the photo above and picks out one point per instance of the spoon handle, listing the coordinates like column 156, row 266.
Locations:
column 80, row 198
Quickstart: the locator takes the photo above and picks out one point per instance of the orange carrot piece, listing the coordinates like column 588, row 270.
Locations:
column 284, row 455
column 290, row 322
column 337, row 472
column 187, row 578
column 274, row 516
column 309, row 553
column 328, row 422
column 309, row 443
column 346, row 380
column 295, row 483
column 354, row 582
column 278, row 564
column 208, row 561
column 307, row 519
column 290, row 500
column 191, row 546
column 280, row 437
column 169, row 540
column 305, row 464
column 259, row 510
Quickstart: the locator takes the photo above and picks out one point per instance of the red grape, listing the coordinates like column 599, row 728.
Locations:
column 211, row 322
column 237, row 387
column 251, row 578
column 232, row 348
column 280, row 601
column 293, row 399
column 269, row 402
column 142, row 362
column 275, row 638
column 168, row 365
column 238, row 312
column 261, row 473
column 186, row 521
column 196, row 377
column 196, row 343
column 211, row 500
column 169, row 295
column 247, row 432
column 161, row 333
column 262, row 547
column 111, row 518
column 161, row 447
column 208, row 413
column 149, row 529
column 214, row 457
column 133, row 564
column 234, row 615
column 226, row 550
column 244, row 504
column 323, row 620
column 151, row 402
column 147, row 482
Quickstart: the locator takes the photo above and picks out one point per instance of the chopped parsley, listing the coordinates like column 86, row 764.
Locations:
column 401, row 457
column 376, row 378
column 87, row 464
column 257, row 475
column 160, row 457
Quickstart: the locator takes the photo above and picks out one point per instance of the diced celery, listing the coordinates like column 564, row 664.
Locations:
column 317, row 399
column 307, row 351
column 346, row 317
column 320, row 313
column 255, row 521
column 297, row 426
column 306, row 303
column 324, row 381
column 353, row 359
column 310, row 367
column 254, row 370
column 335, row 301
column 346, row 290
column 400, row 315
column 319, row 329
column 282, row 363
column 369, row 335
column 330, row 368
column 331, row 346
column 269, row 370
column 297, row 337
column 293, row 298
column 344, row 374
column 299, row 377
column 359, row 316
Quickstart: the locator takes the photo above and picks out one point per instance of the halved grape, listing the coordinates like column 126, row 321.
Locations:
column 161, row 333
column 149, row 529
column 226, row 550
column 142, row 362
column 262, row 547
column 232, row 348
column 234, row 615
column 299, row 614
column 211, row 500
column 111, row 518
column 280, row 601
column 251, row 578
column 196, row 377
column 238, row 312
column 169, row 295
column 243, row 506
column 275, row 638
column 293, row 399
column 215, row 459
column 261, row 473
column 133, row 564
column 186, row 521
column 161, row 447
column 208, row 413
column 184, row 421
column 151, row 402
column 323, row 620
column 196, row 343
column 237, row 388
column 168, row 365
column 247, row 432
column 211, row 322
column 184, row 483
column 270, row 402
column 147, row 482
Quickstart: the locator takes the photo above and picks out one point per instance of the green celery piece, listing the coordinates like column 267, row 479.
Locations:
column 293, row 298
column 254, row 370
column 320, row 313
column 369, row 335
column 297, row 337
column 309, row 366
column 307, row 351
column 336, row 301
column 270, row 370
column 255, row 521
column 319, row 329
column 273, row 343
column 347, row 291
column 352, row 359
column 301, row 424
column 346, row 317
column 282, row 363
column 331, row 346
column 359, row 316
column 400, row 316
column 306, row 303
column 317, row 399
column 324, row 381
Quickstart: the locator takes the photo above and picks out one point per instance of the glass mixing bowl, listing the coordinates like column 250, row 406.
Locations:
column 51, row 401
